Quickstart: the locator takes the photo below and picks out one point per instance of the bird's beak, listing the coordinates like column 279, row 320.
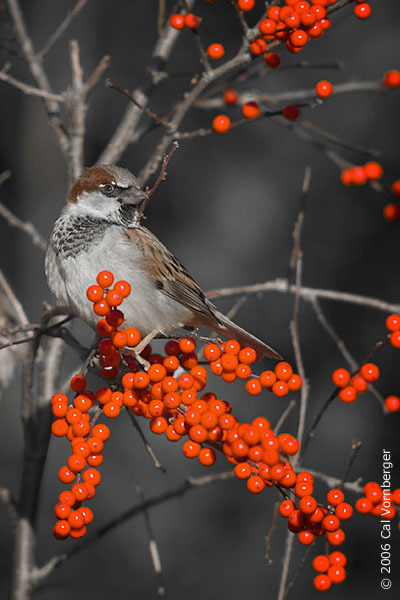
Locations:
column 133, row 195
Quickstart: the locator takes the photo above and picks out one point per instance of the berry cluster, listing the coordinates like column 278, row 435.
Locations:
column 331, row 569
column 170, row 400
column 359, row 175
column 179, row 21
column 352, row 385
column 295, row 23
column 378, row 502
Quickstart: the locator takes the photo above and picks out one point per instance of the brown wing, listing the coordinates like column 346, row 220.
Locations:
column 168, row 272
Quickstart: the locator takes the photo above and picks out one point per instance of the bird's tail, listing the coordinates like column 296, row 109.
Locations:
column 228, row 329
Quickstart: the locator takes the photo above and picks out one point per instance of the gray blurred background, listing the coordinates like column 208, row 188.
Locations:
column 227, row 210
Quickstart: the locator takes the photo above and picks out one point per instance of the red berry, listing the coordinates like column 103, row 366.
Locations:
column 215, row 51
column 192, row 21
column 370, row 372
column 391, row 79
column 391, row 212
column 348, row 394
column 373, row 170
column 230, row 96
column 321, row 563
column 322, row 582
column 177, row 21
column 221, row 123
column 341, row 377
column 246, row 5
column 250, row 110
column 362, row 11
column 291, row 112
column 392, row 403
column 324, row 89
column 105, row 279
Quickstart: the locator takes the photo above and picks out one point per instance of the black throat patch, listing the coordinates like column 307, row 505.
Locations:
column 73, row 234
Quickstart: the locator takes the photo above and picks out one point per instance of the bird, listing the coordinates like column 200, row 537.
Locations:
column 100, row 228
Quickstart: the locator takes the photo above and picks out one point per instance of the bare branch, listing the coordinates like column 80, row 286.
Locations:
column 77, row 105
column 146, row 444
column 61, row 28
column 38, row 73
column 124, row 133
column 19, row 310
column 24, row 226
column 157, row 120
column 155, row 555
column 97, row 73
column 162, row 175
column 29, row 90
column 306, row 293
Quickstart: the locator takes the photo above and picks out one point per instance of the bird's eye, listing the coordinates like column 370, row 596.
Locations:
column 107, row 188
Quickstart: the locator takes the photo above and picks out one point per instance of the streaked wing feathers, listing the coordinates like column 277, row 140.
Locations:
column 169, row 274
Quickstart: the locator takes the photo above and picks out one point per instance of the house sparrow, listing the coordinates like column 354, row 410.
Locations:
column 100, row 229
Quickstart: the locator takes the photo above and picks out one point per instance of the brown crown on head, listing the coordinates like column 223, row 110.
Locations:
column 90, row 179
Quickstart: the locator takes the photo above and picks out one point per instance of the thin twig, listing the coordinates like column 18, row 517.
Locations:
column 355, row 447
column 97, row 73
column 29, row 90
column 38, row 73
column 24, row 226
column 7, row 499
column 284, row 416
column 306, row 293
column 286, row 563
column 179, row 491
column 333, row 482
column 125, row 131
column 162, row 175
column 61, row 28
column 161, row 17
column 269, row 533
column 146, row 111
column 296, row 261
column 146, row 444
column 154, row 553
column 16, row 304
column 298, row 572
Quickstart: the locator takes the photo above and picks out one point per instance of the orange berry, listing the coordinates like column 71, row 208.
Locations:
column 370, row 372
column 348, row 394
column 324, row 89
column 191, row 449
column 187, row 345
column 283, row 371
column 59, row 427
column 359, row 383
column 123, row 288
column 120, row 338
column 215, row 51
column 362, row 11
column 280, row 388
column 105, row 279
column 221, row 123
column 322, row 582
column 61, row 529
column 101, row 431
column 373, row 170
column 321, row 563
column 230, row 96
column 391, row 79
column 192, row 21
column 65, row 475
column 207, row 457
column 335, row 496
column 250, row 110
column 177, row 21
column 341, row 377
column 255, row 484
column 253, row 386
column 111, row 410
column 295, row 383
column 267, row 378
column 258, row 47
column 392, row 403
column 246, row 5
